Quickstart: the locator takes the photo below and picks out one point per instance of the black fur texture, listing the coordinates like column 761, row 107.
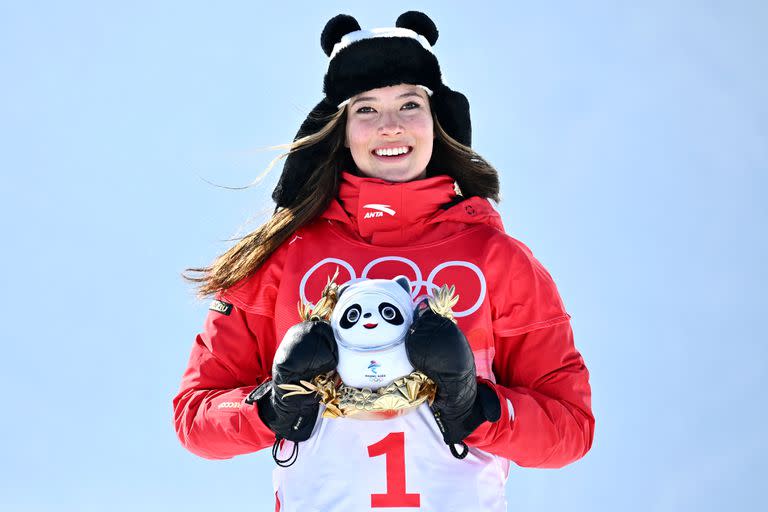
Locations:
column 336, row 28
column 299, row 165
column 452, row 110
column 419, row 23
column 380, row 62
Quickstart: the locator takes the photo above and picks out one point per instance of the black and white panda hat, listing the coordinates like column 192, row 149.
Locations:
column 361, row 60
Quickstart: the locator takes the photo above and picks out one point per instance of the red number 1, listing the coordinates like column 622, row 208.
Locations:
column 393, row 446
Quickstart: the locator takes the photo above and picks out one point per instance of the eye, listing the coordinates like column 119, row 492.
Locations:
column 350, row 316
column 388, row 313
column 411, row 105
column 391, row 314
column 365, row 110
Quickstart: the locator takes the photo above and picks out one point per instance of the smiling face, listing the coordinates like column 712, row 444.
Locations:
column 372, row 322
column 372, row 314
column 390, row 132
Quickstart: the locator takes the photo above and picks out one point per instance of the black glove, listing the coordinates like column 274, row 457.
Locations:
column 308, row 349
column 438, row 348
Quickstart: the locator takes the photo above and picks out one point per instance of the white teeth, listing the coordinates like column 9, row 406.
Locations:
column 392, row 151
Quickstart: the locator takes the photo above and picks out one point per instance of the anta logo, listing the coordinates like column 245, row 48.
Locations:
column 379, row 210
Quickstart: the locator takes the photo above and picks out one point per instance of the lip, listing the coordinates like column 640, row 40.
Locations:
column 370, row 326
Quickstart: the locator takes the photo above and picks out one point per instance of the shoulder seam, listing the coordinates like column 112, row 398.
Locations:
column 534, row 326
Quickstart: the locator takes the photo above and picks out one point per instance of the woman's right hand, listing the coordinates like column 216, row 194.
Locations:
column 308, row 349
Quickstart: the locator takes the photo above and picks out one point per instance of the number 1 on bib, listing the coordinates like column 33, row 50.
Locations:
column 393, row 447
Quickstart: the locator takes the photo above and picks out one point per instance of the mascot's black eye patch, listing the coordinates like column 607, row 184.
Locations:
column 391, row 314
column 351, row 316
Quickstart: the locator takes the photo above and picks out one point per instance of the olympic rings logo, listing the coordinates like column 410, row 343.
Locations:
column 416, row 284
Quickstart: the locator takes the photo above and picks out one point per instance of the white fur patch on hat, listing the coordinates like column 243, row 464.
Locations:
column 360, row 35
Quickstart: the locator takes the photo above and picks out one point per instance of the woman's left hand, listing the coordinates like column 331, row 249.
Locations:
column 437, row 347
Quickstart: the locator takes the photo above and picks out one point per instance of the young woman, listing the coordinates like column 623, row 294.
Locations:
column 381, row 181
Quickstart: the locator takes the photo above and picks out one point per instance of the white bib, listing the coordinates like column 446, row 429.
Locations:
column 396, row 464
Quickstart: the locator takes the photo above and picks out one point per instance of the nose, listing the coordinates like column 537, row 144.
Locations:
column 390, row 124
column 367, row 315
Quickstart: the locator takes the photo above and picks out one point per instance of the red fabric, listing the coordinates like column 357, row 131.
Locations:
column 225, row 366
column 414, row 204
column 547, row 383
column 518, row 329
column 420, row 217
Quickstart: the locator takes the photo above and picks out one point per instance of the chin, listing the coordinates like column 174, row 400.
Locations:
column 395, row 176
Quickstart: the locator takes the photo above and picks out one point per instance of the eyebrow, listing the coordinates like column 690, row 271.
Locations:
column 374, row 98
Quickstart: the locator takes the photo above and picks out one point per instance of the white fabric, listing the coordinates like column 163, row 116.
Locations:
column 336, row 472
column 359, row 35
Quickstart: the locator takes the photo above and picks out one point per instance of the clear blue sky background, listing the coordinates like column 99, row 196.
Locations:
column 632, row 138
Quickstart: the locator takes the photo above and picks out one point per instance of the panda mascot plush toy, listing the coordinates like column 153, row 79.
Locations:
column 374, row 378
column 370, row 321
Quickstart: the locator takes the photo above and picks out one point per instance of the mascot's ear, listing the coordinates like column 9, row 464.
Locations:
column 404, row 282
column 341, row 290
column 419, row 23
column 336, row 28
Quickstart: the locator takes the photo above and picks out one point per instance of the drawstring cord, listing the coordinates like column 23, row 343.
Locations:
column 284, row 463
column 456, row 453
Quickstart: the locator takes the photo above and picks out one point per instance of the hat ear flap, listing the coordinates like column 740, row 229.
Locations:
column 336, row 28
column 452, row 110
column 419, row 23
column 299, row 165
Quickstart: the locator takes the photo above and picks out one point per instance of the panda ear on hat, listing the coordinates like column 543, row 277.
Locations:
column 336, row 28
column 419, row 23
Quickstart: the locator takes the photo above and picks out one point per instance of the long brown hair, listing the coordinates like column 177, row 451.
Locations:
column 473, row 174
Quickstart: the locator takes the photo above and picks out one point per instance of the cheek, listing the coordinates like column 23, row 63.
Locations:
column 390, row 332
column 423, row 128
column 357, row 134
column 357, row 141
column 426, row 139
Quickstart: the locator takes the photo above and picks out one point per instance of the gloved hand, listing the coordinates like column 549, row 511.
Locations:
column 437, row 347
column 308, row 349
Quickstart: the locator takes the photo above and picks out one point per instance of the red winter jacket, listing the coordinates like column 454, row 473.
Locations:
column 509, row 309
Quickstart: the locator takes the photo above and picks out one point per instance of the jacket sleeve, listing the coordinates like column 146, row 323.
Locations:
column 229, row 359
column 543, row 387
column 541, row 380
